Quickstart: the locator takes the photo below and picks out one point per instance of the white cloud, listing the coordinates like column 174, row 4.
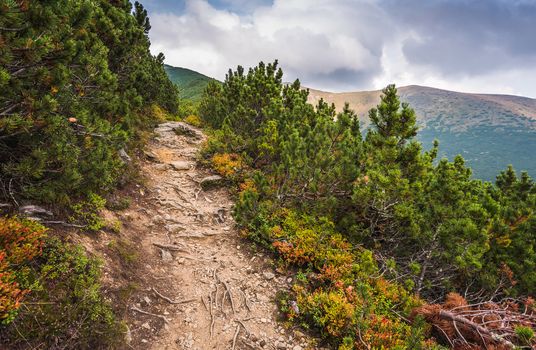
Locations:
column 334, row 45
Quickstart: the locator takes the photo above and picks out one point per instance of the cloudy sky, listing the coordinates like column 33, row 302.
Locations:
column 346, row 45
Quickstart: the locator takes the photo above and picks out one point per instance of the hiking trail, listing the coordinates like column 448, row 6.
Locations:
column 201, row 286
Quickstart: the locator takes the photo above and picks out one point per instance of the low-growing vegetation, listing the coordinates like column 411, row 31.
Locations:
column 51, row 292
column 80, row 93
column 376, row 226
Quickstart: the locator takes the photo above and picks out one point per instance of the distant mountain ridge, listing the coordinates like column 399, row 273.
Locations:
column 455, row 111
column 191, row 84
column 490, row 131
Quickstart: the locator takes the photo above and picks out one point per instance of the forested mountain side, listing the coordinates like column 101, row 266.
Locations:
column 79, row 91
column 376, row 225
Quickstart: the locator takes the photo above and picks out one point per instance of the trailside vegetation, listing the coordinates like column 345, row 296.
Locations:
column 77, row 85
column 376, row 226
column 79, row 90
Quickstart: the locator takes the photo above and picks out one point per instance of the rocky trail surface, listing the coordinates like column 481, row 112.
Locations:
column 199, row 286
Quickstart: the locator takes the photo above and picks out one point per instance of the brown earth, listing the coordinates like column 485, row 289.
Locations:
column 179, row 270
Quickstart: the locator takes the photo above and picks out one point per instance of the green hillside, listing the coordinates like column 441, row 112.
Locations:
column 190, row 83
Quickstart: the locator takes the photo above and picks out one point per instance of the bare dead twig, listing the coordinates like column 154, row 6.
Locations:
column 171, row 247
column 162, row 317
column 230, row 296
column 246, row 301
column 204, row 303
column 172, row 301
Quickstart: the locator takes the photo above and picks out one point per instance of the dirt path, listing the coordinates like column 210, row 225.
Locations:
column 218, row 291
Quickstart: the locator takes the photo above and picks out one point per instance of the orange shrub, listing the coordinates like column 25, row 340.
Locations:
column 385, row 333
column 227, row 164
column 20, row 242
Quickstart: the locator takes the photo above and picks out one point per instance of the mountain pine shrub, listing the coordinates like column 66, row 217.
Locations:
column 374, row 224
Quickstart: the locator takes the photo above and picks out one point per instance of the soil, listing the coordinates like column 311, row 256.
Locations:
column 182, row 274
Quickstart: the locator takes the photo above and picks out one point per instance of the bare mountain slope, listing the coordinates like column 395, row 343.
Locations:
column 490, row 131
column 455, row 110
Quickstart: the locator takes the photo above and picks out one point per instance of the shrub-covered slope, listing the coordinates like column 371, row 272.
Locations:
column 79, row 89
column 375, row 226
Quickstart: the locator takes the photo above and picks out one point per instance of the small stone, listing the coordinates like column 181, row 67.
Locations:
column 150, row 155
column 299, row 334
column 262, row 343
column 181, row 261
column 280, row 345
column 289, row 280
column 180, row 165
column 175, row 228
column 146, row 325
column 161, row 167
column 124, row 156
column 166, row 255
column 158, row 219
column 146, row 300
column 144, row 341
column 297, row 347
column 263, row 320
column 268, row 275
column 211, row 181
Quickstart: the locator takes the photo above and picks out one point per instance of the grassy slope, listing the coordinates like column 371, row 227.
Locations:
column 490, row 131
column 191, row 83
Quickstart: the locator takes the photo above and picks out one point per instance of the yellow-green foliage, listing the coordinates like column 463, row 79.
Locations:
column 157, row 113
column 87, row 212
column 331, row 311
column 116, row 226
column 194, row 120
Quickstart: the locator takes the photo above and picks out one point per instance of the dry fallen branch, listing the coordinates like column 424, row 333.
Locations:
column 235, row 336
column 246, row 301
column 63, row 223
column 485, row 325
column 172, row 301
column 216, row 296
column 149, row 314
column 171, row 247
column 243, row 326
